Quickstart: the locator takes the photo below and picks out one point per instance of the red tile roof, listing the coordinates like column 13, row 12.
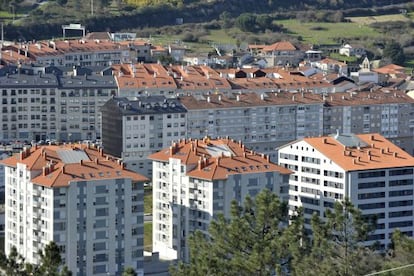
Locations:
column 236, row 159
column 56, row 172
column 378, row 154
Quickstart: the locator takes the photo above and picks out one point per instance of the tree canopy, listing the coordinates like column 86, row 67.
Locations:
column 256, row 240
column 50, row 264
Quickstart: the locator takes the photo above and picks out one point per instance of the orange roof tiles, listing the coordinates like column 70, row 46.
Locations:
column 379, row 154
column 139, row 75
column 288, row 98
column 390, row 69
column 280, row 46
column 59, row 173
column 235, row 159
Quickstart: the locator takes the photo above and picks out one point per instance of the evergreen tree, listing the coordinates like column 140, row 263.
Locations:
column 255, row 240
column 400, row 255
column 395, row 52
column 129, row 271
column 337, row 244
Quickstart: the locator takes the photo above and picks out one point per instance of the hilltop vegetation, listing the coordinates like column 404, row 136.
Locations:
column 221, row 21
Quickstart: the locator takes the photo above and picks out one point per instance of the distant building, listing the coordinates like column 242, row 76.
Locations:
column 43, row 103
column 134, row 129
column 376, row 175
column 194, row 180
column 80, row 198
column 349, row 51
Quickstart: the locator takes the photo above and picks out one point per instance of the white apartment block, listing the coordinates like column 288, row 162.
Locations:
column 80, row 198
column 194, row 180
column 376, row 175
column 133, row 129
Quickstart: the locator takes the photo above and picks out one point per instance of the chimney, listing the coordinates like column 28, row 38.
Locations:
column 395, row 154
column 81, row 162
column 218, row 161
column 45, row 170
column 63, row 169
column 219, row 98
column 325, row 141
column 171, row 150
column 122, row 165
column 200, row 164
column 208, row 99
column 101, row 151
column 238, row 98
column 372, row 138
column 22, row 155
column 97, row 161
column 268, row 158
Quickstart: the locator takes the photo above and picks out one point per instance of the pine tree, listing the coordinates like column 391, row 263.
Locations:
column 337, row 244
column 255, row 240
column 400, row 255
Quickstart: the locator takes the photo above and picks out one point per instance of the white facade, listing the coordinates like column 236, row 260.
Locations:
column 380, row 185
column 185, row 199
column 93, row 210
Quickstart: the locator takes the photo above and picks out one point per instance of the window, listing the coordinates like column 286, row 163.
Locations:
column 400, row 224
column 371, row 195
column 369, row 185
column 401, row 182
column 401, row 172
column 400, row 203
column 400, row 193
column 371, row 206
column 371, row 174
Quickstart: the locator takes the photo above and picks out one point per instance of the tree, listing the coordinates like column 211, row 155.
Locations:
column 246, row 22
column 400, row 254
column 129, row 271
column 253, row 241
column 337, row 244
column 395, row 52
column 50, row 261
column 14, row 264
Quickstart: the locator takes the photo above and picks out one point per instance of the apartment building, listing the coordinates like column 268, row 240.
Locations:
column 80, row 198
column 262, row 122
column 37, row 105
column 376, row 175
column 388, row 112
column 194, row 180
column 133, row 129
column 136, row 80
column 269, row 120
column 69, row 53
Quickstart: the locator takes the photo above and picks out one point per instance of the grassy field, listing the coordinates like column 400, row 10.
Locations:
column 148, row 236
column 327, row 33
column 148, row 200
column 366, row 20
